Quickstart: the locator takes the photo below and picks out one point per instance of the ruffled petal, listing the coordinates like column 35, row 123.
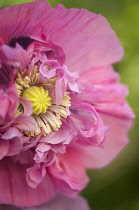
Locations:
column 68, row 173
column 8, row 99
column 108, row 99
column 53, row 51
column 67, row 28
column 103, row 91
column 35, row 175
column 15, row 189
column 64, row 135
column 87, row 122
column 27, row 106
column 16, row 57
column 115, row 141
column 10, row 148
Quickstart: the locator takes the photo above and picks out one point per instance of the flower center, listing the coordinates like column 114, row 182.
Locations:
column 41, row 94
column 39, row 99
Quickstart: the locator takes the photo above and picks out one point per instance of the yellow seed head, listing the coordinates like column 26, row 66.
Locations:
column 39, row 99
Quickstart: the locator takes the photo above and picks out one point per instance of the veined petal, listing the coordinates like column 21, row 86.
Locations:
column 15, row 189
column 99, row 75
column 103, row 91
column 66, row 27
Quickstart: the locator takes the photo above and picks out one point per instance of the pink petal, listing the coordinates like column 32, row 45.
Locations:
column 68, row 28
column 27, row 106
column 25, row 123
column 16, row 57
column 62, row 202
column 68, row 173
column 22, row 20
column 45, row 68
column 81, row 26
column 15, row 189
column 8, row 98
column 115, row 140
column 87, row 122
column 11, row 133
column 44, row 154
column 26, row 158
column 104, row 92
column 5, row 104
column 108, row 98
column 99, row 75
column 54, row 52
column 35, row 175
column 4, row 147
column 15, row 147
column 64, row 135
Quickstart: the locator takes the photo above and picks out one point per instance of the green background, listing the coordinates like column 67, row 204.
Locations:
column 116, row 187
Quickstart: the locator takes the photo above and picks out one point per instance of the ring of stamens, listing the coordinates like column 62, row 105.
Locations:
column 47, row 115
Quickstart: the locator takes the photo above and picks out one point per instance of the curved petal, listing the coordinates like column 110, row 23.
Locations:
column 64, row 135
column 68, row 173
column 53, row 51
column 115, row 140
column 27, row 106
column 66, row 27
column 11, row 133
column 104, row 92
column 35, row 175
column 25, row 123
column 16, row 57
column 108, row 99
column 15, row 189
column 87, row 122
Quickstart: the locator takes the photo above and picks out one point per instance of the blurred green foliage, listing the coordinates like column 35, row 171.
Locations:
column 115, row 187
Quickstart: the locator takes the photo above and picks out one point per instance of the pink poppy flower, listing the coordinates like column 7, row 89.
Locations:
column 62, row 107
